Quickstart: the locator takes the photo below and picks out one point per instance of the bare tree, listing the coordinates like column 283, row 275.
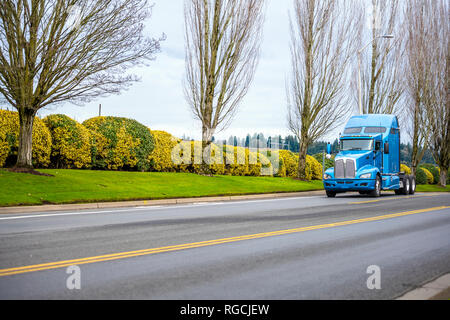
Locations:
column 381, row 68
column 322, row 46
column 54, row 51
column 437, row 106
column 418, row 67
column 222, row 52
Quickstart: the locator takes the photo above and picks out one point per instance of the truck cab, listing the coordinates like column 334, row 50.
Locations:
column 369, row 158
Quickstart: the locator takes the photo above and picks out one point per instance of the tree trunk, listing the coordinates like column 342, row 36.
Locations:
column 206, row 152
column 443, row 177
column 24, row 154
column 302, row 160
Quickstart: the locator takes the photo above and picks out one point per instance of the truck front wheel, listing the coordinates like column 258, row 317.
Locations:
column 377, row 191
column 331, row 194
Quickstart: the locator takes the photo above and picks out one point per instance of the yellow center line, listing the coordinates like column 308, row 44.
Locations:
column 392, row 198
column 136, row 253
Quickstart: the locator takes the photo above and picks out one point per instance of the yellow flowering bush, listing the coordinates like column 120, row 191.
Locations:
column 9, row 140
column 99, row 149
column 236, row 160
column 316, row 167
column 71, row 142
column 404, row 168
column 429, row 175
column 188, row 156
column 290, row 161
column 274, row 157
column 128, row 143
column 254, row 163
column 240, row 161
column 161, row 156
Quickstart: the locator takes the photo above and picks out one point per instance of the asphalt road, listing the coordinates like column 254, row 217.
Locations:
column 286, row 248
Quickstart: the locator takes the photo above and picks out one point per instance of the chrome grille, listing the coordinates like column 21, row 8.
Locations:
column 349, row 169
column 339, row 172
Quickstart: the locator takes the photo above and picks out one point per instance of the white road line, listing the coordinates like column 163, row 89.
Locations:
column 193, row 205
column 37, row 215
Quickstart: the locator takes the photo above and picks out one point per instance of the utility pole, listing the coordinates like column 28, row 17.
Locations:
column 100, row 110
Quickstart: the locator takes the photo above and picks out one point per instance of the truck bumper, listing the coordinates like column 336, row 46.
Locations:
column 344, row 185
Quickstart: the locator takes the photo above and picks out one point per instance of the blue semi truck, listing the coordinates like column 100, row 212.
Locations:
column 369, row 158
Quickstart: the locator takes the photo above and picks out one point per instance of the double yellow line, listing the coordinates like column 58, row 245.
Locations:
column 136, row 253
column 393, row 198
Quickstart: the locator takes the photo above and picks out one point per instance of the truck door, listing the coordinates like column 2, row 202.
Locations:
column 378, row 154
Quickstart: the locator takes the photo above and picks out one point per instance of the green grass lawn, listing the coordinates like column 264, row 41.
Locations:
column 432, row 188
column 70, row 186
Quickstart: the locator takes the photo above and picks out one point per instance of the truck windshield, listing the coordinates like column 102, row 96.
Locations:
column 360, row 144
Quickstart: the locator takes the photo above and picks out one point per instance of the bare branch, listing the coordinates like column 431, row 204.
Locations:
column 222, row 51
column 323, row 42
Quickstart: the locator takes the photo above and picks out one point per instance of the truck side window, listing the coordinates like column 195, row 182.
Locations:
column 377, row 145
column 375, row 130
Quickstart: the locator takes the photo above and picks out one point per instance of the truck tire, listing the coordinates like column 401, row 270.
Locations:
column 377, row 191
column 331, row 194
column 412, row 184
column 405, row 189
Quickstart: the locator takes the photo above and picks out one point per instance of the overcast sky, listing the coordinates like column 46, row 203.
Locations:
column 158, row 100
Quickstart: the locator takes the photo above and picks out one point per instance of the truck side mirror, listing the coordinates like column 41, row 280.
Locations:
column 386, row 147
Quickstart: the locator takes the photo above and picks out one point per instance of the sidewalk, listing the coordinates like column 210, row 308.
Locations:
column 140, row 203
column 438, row 289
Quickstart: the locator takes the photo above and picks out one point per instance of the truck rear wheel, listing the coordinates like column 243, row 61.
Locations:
column 412, row 184
column 405, row 189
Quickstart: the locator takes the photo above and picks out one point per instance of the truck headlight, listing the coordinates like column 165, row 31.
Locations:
column 326, row 176
column 365, row 176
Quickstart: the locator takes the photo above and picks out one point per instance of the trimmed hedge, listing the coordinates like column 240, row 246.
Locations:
column 236, row 160
column 9, row 140
column 433, row 170
column 71, row 147
column 161, row 157
column 124, row 144
column 128, row 143
column 421, row 177
column 188, row 157
column 290, row 160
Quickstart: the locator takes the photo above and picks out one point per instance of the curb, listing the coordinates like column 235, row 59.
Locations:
column 139, row 203
column 436, row 289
